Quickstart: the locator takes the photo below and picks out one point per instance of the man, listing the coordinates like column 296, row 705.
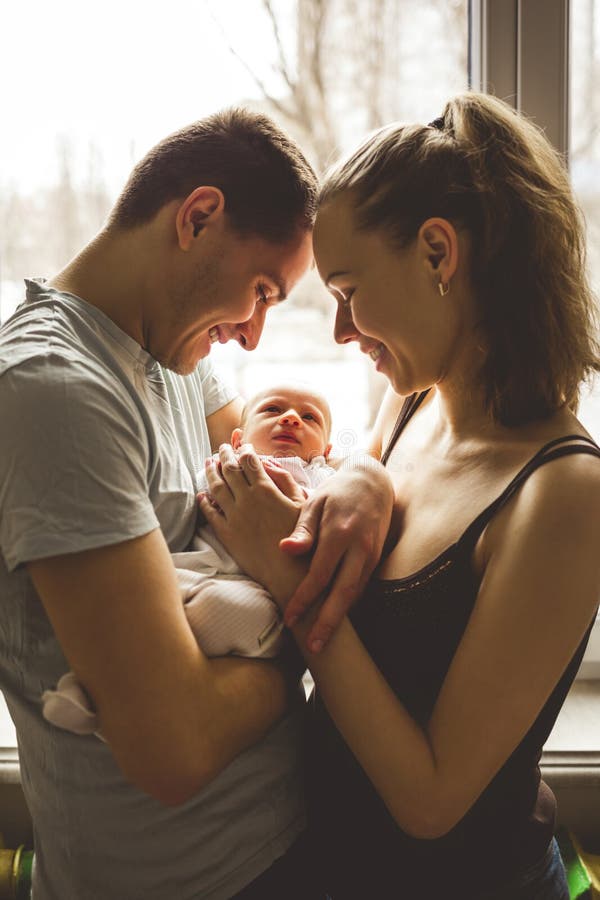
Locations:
column 198, row 791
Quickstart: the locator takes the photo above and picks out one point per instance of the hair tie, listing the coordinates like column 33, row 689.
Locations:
column 438, row 123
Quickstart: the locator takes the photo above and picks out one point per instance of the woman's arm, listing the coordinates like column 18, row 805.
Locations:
column 344, row 523
column 538, row 594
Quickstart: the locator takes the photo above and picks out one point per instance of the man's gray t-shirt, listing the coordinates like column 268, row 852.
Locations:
column 100, row 446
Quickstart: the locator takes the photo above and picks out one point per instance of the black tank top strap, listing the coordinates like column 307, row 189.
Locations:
column 547, row 453
column 407, row 410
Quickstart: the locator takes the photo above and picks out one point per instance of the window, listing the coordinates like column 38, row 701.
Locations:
column 8, row 737
column 81, row 112
column 584, row 161
column 77, row 119
column 520, row 52
column 354, row 68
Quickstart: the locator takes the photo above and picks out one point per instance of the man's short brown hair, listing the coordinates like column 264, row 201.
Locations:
column 270, row 189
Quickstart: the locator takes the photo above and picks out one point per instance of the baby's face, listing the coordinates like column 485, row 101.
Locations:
column 288, row 422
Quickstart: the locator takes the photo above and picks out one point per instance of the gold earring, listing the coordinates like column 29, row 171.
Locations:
column 443, row 288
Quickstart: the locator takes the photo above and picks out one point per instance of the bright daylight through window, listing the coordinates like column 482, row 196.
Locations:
column 584, row 164
column 327, row 71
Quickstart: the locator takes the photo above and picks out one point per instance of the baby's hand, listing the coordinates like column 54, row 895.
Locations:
column 201, row 519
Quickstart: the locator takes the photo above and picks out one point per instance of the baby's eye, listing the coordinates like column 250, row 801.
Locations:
column 273, row 409
column 309, row 416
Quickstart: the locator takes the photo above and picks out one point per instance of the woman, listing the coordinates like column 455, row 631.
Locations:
column 455, row 254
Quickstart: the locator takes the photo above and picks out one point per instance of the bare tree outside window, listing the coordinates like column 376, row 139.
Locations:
column 41, row 229
column 343, row 68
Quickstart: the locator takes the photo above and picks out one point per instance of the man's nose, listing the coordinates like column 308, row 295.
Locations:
column 248, row 333
column 344, row 329
column 290, row 417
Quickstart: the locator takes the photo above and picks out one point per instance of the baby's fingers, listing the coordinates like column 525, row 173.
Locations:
column 212, row 512
column 251, row 465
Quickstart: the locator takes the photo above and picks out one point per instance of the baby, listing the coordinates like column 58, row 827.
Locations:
column 227, row 611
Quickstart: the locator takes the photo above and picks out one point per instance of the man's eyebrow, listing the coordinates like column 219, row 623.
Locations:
column 334, row 275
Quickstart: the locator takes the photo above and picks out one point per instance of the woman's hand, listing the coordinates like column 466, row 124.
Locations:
column 347, row 518
column 253, row 505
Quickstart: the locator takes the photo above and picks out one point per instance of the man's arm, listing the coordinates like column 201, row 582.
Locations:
column 173, row 718
column 222, row 422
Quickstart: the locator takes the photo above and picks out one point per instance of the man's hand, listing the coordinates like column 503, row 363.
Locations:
column 347, row 518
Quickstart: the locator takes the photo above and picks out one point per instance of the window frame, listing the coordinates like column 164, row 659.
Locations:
column 519, row 51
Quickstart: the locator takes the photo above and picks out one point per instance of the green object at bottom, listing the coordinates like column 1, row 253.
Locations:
column 16, row 868
column 24, row 872
column 578, row 879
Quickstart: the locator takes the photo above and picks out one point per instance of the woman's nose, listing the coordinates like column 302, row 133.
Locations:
column 290, row 417
column 344, row 329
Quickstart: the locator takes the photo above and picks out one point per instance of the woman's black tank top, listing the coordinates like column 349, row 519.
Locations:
column 412, row 627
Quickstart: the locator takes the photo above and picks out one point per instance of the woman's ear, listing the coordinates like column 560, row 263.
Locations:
column 237, row 436
column 203, row 205
column 439, row 243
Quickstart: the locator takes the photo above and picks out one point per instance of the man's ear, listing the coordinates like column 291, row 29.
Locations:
column 439, row 242
column 237, row 436
column 205, row 204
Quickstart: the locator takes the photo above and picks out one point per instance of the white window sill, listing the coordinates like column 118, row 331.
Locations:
column 572, row 752
column 9, row 766
column 590, row 667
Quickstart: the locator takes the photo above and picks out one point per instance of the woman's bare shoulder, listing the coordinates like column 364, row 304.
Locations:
column 385, row 421
column 559, row 502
